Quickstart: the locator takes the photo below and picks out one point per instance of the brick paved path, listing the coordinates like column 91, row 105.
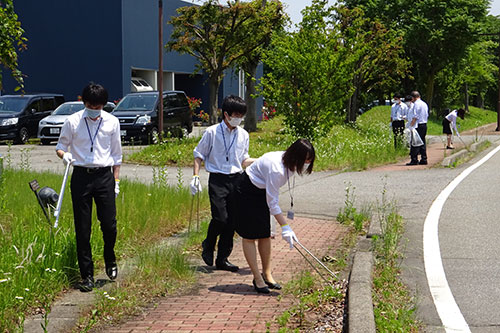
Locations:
column 227, row 302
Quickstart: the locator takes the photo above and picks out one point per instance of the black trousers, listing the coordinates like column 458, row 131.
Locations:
column 221, row 189
column 422, row 150
column 398, row 127
column 99, row 186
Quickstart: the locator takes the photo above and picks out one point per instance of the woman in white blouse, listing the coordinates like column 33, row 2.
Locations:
column 450, row 125
column 257, row 198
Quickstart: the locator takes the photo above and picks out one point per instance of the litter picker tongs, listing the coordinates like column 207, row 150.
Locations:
column 332, row 274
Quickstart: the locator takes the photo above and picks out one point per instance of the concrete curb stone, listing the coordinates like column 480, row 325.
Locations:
column 447, row 161
column 359, row 302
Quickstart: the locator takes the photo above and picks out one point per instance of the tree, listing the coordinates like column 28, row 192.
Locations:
column 378, row 55
column 217, row 36
column 309, row 76
column 270, row 19
column 12, row 41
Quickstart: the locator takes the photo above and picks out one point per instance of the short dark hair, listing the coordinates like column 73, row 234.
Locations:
column 94, row 94
column 234, row 104
column 297, row 154
column 415, row 94
column 461, row 113
column 397, row 95
column 408, row 98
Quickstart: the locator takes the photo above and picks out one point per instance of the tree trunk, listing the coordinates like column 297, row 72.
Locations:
column 466, row 89
column 430, row 91
column 251, row 117
column 352, row 109
column 214, row 99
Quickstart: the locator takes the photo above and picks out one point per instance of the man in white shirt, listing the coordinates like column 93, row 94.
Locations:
column 398, row 114
column 420, row 115
column 224, row 149
column 90, row 140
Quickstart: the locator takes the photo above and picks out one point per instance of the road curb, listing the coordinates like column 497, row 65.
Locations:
column 448, row 161
column 359, row 298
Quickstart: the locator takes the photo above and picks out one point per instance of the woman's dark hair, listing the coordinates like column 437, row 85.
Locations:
column 297, row 154
column 461, row 113
column 397, row 95
column 234, row 104
column 94, row 94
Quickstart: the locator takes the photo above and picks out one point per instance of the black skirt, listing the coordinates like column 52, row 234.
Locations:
column 250, row 211
column 446, row 126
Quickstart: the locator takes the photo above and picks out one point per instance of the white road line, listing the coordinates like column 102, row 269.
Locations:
column 447, row 308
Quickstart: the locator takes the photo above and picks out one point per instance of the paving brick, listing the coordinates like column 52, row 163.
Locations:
column 226, row 302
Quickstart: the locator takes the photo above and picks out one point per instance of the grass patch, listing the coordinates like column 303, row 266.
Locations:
column 367, row 143
column 394, row 308
column 35, row 259
column 484, row 145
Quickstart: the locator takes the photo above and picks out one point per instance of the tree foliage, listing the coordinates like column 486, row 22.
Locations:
column 12, row 41
column 316, row 70
column 218, row 36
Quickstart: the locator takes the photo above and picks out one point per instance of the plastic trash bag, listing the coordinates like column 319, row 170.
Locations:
column 416, row 140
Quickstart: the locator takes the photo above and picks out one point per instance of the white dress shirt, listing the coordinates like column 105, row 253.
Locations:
column 223, row 150
column 452, row 118
column 398, row 111
column 75, row 137
column 268, row 172
column 421, row 111
column 410, row 115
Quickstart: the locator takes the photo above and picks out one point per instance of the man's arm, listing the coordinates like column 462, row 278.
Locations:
column 248, row 161
column 196, row 166
column 116, row 171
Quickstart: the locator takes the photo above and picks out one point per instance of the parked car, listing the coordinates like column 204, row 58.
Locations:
column 20, row 114
column 138, row 115
column 138, row 84
column 49, row 127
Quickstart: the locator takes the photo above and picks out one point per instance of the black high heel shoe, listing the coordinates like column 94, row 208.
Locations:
column 263, row 290
column 271, row 285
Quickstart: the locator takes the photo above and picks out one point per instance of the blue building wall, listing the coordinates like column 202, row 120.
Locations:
column 73, row 42
column 69, row 44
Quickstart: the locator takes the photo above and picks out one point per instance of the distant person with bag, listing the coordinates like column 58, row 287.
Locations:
column 399, row 111
column 450, row 125
column 224, row 149
column 420, row 114
column 257, row 198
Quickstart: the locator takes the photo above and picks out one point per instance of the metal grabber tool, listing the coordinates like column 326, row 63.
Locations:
column 332, row 274
column 59, row 201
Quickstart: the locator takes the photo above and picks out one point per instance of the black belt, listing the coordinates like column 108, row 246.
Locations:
column 92, row 169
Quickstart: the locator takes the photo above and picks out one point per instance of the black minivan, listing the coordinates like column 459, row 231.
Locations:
column 138, row 115
column 20, row 114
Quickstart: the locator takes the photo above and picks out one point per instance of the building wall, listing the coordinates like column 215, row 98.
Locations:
column 69, row 44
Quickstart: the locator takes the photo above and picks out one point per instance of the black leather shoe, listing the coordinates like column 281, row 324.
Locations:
column 412, row 163
column 225, row 265
column 422, row 162
column 263, row 290
column 271, row 285
column 207, row 255
column 87, row 284
column 112, row 270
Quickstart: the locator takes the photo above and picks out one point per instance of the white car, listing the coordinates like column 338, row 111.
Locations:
column 49, row 127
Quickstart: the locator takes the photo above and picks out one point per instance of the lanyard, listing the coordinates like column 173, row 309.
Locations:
column 95, row 135
column 224, row 139
column 292, row 190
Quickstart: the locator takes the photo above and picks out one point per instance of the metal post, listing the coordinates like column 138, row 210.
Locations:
column 1, row 168
column 160, row 68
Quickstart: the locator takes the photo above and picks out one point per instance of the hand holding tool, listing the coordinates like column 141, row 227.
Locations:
column 288, row 235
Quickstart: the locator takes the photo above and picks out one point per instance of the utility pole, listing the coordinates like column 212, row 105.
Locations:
column 160, row 68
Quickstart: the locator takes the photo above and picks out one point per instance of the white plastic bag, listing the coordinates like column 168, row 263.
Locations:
column 416, row 140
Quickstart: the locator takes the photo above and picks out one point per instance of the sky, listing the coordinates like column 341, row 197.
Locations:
column 293, row 7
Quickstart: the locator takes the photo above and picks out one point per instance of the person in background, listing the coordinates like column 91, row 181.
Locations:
column 90, row 139
column 450, row 125
column 420, row 113
column 224, row 149
column 398, row 114
column 257, row 198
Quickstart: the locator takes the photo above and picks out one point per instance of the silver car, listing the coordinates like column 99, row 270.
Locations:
column 49, row 127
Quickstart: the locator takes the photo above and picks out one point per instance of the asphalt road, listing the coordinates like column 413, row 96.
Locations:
column 468, row 226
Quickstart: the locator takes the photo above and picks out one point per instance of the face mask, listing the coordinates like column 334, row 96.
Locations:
column 306, row 165
column 235, row 121
column 93, row 113
column 408, row 104
column 397, row 101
